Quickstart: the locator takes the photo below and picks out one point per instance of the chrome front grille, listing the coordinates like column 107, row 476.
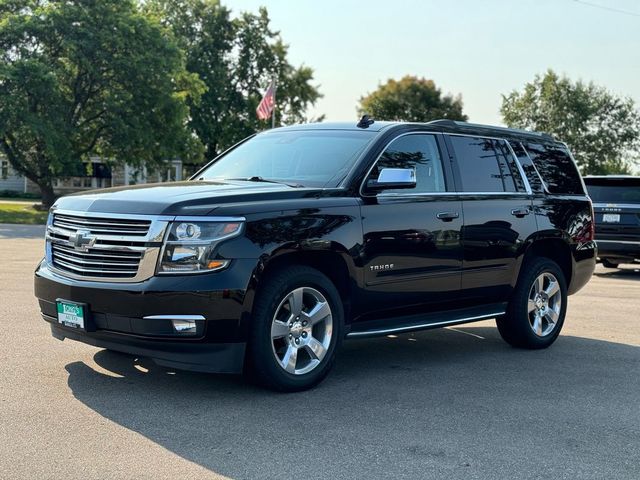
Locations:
column 104, row 247
column 97, row 262
column 104, row 226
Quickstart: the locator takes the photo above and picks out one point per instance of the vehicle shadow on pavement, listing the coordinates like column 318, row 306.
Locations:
column 454, row 403
column 629, row 273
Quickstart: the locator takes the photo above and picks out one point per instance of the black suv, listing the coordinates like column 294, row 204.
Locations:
column 299, row 237
column 616, row 201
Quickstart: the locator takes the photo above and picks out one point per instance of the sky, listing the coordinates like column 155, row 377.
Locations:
column 480, row 49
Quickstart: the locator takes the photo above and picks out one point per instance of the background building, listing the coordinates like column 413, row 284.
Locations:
column 99, row 175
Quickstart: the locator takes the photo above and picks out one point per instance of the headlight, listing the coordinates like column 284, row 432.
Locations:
column 190, row 247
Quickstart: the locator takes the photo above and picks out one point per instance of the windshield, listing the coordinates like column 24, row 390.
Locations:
column 614, row 193
column 310, row 158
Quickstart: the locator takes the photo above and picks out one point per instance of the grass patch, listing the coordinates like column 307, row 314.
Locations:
column 21, row 213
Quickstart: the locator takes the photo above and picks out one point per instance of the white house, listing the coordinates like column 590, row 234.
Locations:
column 10, row 180
column 99, row 175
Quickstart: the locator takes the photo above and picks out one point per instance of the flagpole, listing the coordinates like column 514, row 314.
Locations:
column 273, row 111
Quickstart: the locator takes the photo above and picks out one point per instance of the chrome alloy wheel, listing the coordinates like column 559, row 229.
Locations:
column 301, row 330
column 545, row 302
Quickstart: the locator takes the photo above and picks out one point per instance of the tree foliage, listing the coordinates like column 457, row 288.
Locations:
column 602, row 129
column 411, row 99
column 236, row 58
column 88, row 77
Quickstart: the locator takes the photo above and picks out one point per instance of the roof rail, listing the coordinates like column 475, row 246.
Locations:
column 445, row 122
column 458, row 124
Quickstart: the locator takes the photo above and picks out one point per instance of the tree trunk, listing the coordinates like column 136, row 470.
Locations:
column 48, row 196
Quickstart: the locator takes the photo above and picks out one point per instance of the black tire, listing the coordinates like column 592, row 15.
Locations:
column 263, row 365
column 517, row 327
column 609, row 264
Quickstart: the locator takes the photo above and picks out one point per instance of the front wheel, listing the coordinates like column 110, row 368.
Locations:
column 536, row 311
column 296, row 329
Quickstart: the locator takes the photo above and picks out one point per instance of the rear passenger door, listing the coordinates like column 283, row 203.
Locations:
column 498, row 215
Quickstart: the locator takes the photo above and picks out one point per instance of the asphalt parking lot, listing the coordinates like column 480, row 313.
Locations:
column 451, row 403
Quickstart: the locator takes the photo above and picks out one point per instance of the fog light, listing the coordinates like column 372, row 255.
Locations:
column 182, row 324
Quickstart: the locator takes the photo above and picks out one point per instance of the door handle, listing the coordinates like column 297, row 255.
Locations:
column 447, row 216
column 520, row 212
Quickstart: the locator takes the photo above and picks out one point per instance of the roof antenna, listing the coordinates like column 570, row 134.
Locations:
column 365, row 122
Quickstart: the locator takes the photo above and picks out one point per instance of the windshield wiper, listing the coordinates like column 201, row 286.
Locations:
column 265, row 180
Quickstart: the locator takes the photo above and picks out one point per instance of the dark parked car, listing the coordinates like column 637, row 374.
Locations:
column 302, row 236
column 616, row 202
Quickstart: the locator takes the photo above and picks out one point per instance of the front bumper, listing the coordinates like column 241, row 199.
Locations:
column 198, row 357
column 624, row 251
column 116, row 311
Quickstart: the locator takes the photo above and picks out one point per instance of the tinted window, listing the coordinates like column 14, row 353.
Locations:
column 414, row 151
column 510, row 174
column 556, row 168
column 527, row 166
column 311, row 158
column 483, row 164
column 614, row 191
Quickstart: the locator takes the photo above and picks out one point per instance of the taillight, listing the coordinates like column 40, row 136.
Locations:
column 592, row 225
column 583, row 227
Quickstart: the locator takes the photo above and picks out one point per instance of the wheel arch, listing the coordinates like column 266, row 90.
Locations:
column 334, row 263
column 555, row 249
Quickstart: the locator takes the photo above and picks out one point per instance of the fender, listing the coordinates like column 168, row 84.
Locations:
column 326, row 238
column 565, row 234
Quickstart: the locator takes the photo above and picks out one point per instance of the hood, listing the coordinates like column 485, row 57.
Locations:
column 180, row 198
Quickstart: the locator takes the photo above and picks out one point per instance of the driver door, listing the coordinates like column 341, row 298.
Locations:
column 412, row 247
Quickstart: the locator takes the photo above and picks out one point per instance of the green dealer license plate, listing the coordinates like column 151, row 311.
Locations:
column 71, row 314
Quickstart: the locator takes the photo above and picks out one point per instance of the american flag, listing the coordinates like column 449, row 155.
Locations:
column 268, row 103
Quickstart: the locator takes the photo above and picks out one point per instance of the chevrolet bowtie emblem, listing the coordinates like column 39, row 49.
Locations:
column 82, row 240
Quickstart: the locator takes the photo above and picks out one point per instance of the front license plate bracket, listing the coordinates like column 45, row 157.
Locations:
column 72, row 314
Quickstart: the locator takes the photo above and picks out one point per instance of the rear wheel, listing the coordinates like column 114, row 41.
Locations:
column 609, row 263
column 536, row 312
column 296, row 329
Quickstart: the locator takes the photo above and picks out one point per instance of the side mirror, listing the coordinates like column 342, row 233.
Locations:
column 393, row 178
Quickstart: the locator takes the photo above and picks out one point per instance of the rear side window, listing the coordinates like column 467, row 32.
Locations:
column 527, row 166
column 556, row 168
column 512, row 170
column 483, row 164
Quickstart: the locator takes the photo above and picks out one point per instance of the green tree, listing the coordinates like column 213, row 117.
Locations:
column 236, row 58
column 602, row 129
column 411, row 99
column 88, row 77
